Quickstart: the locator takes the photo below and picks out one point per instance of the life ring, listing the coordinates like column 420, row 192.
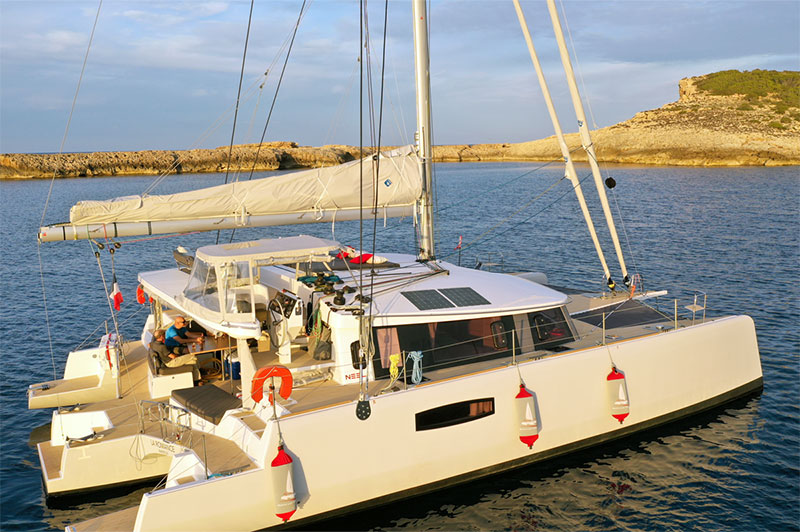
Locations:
column 257, row 387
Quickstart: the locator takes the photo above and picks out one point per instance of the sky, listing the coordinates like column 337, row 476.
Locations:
column 164, row 74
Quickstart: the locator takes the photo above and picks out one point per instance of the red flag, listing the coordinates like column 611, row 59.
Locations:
column 116, row 295
column 460, row 238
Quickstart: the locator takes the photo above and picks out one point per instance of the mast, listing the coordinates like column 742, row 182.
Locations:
column 423, row 90
column 570, row 167
column 586, row 139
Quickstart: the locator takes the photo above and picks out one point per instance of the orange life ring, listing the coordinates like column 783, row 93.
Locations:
column 257, row 387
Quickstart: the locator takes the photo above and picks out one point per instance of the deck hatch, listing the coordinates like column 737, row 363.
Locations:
column 427, row 299
column 464, row 297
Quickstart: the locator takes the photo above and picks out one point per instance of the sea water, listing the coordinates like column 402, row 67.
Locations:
column 731, row 233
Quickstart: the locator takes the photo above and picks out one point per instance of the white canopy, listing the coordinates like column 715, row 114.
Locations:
column 272, row 250
column 308, row 196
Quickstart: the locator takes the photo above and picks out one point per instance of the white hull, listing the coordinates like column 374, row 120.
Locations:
column 669, row 375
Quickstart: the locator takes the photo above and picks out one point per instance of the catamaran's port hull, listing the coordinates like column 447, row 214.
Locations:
column 342, row 464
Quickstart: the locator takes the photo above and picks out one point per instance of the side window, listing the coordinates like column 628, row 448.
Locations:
column 445, row 343
column 549, row 328
column 454, row 414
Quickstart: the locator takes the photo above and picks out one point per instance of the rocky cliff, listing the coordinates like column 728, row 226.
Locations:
column 727, row 118
column 701, row 128
column 271, row 156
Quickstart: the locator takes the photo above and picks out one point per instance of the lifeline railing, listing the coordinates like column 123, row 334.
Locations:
column 175, row 423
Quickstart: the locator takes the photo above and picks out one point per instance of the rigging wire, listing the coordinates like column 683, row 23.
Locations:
column 274, row 99
column 595, row 127
column 361, row 8
column 238, row 96
column 370, row 347
column 482, row 237
column 52, row 182
column 340, row 108
column 278, row 88
column 254, row 88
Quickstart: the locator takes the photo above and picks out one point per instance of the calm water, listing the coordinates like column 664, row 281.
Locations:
column 730, row 232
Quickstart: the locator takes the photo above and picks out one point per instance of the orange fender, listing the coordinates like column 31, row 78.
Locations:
column 140, row 297
column 257, row 387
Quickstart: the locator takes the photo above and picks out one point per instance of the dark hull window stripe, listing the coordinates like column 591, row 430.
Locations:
column 454, row 414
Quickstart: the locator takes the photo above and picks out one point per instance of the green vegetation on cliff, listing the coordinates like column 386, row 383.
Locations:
column 782, row 89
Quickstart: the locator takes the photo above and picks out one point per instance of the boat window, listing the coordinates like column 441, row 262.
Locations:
column 549, row 328
column 237, row 287
column 499, row 335
column 454, row 414
column 444, row 343
column 202, row 285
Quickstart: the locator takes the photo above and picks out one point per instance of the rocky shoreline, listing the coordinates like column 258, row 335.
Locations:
column 699, row 129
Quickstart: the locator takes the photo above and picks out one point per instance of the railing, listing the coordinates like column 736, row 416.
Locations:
column 491, row 263
column 175, row 423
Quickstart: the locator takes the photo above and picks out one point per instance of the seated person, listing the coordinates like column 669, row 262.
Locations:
column 178, row 336
column 169, row 357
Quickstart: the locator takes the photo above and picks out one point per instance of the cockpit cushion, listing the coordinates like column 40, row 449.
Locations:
column 208, row 402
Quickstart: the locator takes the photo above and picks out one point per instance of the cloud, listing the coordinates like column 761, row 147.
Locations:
column 148, row 56
column 151, row 17
column 175, row 13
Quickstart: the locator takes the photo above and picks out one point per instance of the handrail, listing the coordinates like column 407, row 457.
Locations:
column 171, row 420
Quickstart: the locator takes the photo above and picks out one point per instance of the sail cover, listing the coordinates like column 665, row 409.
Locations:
column 307, row 191
column 308, row 196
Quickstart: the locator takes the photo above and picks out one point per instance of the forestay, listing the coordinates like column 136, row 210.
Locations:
column 308, row 196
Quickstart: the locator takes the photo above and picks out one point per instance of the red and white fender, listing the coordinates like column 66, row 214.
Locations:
column 618, row 395
column 525, row 404
column 283, row 485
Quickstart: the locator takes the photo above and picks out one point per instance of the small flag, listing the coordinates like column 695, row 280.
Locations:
column 460, row 239
column 116, row 295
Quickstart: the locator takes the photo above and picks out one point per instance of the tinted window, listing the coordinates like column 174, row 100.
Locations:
column 454, row 414
column 549, row 328
column 445, row 343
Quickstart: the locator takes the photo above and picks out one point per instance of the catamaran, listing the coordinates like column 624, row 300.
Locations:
column 356, row 379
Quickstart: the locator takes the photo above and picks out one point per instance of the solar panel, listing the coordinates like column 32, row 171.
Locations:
column 427, row 299
column 464, row 297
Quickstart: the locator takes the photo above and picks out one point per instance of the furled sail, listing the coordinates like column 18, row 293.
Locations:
column 308, row 196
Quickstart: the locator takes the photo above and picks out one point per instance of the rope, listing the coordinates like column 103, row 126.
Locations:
column 361, row 7
column 348, row 236
column 416, row 372
column 120, row 341
column 72, row 109
column 272, row 106
column 258, row 83
column 368, row 332
column 529, row 217
column 52, row 182
column 238, row 96
column 507, row 218
column 158, row 237
column 278, row 88
column 578, row 64
column 46, row 313
column 625, row 233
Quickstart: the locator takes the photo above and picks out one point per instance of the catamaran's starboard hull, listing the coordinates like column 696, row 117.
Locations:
column 343, row 464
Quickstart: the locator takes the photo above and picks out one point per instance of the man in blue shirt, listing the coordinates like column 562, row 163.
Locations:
column 178, row 336
column 169, row 358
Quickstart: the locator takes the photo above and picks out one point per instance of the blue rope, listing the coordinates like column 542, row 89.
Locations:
column 416, row 372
